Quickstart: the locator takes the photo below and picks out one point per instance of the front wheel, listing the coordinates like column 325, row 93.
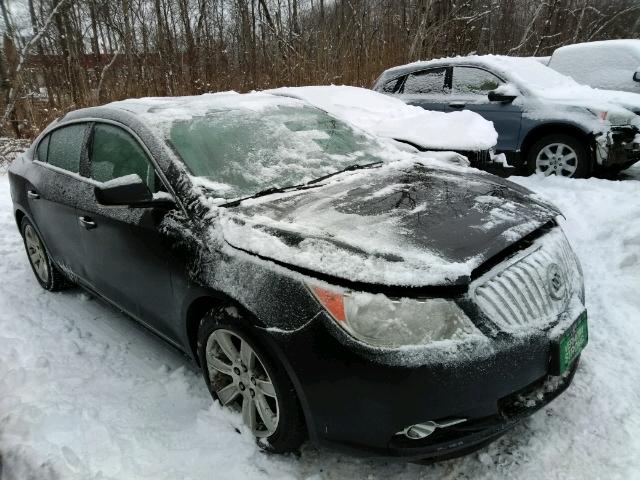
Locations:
column 561, row 155
column 242, row 376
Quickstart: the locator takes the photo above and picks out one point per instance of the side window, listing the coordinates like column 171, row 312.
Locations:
column 392, row 86
column 64, row 147
column 427, row 81
column 43, row 149
column 115, row 153
column 473, row 81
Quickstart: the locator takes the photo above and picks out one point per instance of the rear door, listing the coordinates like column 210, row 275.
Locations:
column 129, row 259
column 53, row 185
column 425, row 88
column 470, row 87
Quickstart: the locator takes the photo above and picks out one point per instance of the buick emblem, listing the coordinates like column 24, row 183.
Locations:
column 555, row 282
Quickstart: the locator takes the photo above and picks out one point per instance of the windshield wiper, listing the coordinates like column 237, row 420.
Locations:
column 348, row 169
column 302, row 186
column 263, row 193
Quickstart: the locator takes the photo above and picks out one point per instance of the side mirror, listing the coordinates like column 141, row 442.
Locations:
column 501, row 97
column 636, row 76
column 129, row 191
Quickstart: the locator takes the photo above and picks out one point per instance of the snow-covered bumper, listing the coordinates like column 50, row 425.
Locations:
column 618, row 148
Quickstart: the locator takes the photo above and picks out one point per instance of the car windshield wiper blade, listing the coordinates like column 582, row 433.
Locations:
column 262, row 193
column 348, row 169
column 302, row 186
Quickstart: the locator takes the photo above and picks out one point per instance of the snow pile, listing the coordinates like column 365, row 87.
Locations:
column 86, row 394
column 389, row 117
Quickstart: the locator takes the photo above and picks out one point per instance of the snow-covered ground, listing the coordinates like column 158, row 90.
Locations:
column 86, row 394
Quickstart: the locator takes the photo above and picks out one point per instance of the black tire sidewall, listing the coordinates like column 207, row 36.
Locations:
column 583, row 169
column 291, row 431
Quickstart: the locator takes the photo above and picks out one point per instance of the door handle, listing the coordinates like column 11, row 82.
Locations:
column 457, row 104
column 87, row 223
column 33, row 194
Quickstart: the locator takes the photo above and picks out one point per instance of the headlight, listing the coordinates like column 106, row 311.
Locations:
column 382, row 321
column 601, row 114
column 615, row 116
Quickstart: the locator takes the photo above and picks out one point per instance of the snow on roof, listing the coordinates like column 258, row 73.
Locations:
column 385, row 116
column 616, row 44
column 158, row 110
column 525, row 72
column 608, row 64
column 533, row 78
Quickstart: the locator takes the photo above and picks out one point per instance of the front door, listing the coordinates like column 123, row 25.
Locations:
column 470, row 87
column 130, row 260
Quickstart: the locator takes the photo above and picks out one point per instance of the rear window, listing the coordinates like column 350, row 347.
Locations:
column 65, row 147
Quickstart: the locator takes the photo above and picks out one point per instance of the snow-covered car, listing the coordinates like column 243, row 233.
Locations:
column 606, row 64
column 466, row 133
column 546, row 122
column 329, row 284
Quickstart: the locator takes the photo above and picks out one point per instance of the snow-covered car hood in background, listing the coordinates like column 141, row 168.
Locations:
column 409, row 223
column 385, row 116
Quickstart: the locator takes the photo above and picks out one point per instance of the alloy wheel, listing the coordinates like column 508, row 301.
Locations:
column 557, row 158
column 36, row 253
column 240, row 381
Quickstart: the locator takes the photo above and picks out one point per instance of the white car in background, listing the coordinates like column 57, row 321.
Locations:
column 411, row 127
column 607, row 64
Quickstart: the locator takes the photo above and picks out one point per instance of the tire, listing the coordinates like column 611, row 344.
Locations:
column 559, row 154
column 222, row 325
column 47, row 274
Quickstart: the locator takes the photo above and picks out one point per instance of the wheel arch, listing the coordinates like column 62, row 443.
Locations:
column 540, row 131
column 194, row 313
column 19, row 216
column 202, row 303
column 206, row 300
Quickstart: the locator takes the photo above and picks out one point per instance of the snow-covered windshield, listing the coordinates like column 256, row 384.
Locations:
column 239, row 152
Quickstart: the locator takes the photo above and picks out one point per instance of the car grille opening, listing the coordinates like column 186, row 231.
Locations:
column 533, row 287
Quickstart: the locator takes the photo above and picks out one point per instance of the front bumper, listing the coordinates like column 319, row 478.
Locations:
column 619, row 149
column 358, row 403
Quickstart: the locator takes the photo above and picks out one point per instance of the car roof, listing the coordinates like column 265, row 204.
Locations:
column 615, row 44
column 527, row 73
column 158, row 111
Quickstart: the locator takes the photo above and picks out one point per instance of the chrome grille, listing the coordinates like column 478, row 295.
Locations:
column 519, row 293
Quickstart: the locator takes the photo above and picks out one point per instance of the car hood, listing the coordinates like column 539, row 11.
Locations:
column 622, row 107
column 628, row 100
column 407, row 223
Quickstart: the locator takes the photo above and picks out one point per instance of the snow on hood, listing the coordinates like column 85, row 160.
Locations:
column 542, row 83
column 405, row 223
column 385, row 116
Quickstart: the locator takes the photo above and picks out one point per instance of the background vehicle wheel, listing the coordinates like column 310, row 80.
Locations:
column 47, row 274
column 561, row 155
column 242, row 375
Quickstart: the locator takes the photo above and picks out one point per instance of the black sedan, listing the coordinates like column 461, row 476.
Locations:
column 330, row 286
